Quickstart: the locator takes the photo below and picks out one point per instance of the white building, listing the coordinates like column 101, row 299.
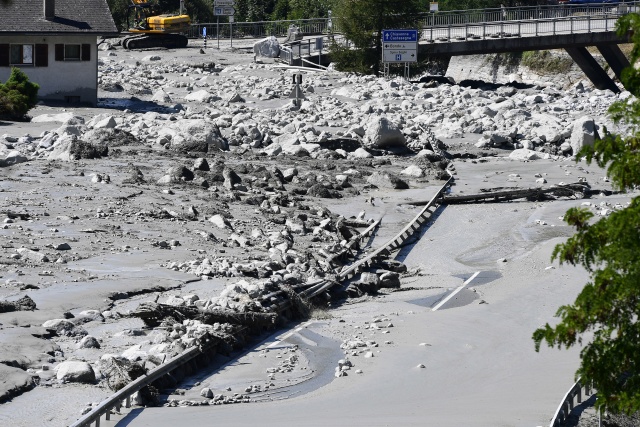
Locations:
column 55, row 43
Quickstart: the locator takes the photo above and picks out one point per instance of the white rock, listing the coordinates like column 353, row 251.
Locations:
column 267, row 47
column 219, row 221
column 75, row 372
column 524, row 154
column 413, row 170
column 382, row 133
column 583, row 134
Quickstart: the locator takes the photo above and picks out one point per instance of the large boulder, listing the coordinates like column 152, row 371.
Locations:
column 583, row 134
column 69, row 148
column 524, row 154
column 387, row 180
column 382, row 133
column 267, row 47
column 73, row 371
column 201, row 96
column 13, row 157
column 195, row 135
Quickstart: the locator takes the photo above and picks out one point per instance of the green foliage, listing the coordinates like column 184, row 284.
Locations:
column 18, row 95
column 199, row 10
column 362, row 22
column 545, row 62
column 352, row 60
column 609, row 249
column 119, row 13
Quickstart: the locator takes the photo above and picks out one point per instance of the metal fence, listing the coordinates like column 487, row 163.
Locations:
column 429, row 22
column 260, row 29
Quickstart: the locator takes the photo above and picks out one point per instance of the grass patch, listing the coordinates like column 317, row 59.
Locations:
column 545, row 62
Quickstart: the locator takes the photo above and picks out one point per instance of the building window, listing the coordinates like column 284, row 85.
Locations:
column 21, row 54
column 72, row 52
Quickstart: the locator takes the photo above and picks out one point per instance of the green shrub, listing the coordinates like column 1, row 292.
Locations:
column 545, row 62
column 18, row 95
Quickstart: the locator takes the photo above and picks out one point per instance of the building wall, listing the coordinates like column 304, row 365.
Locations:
column 60, row 81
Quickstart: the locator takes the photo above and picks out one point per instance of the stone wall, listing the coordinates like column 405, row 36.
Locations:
column 506, row 68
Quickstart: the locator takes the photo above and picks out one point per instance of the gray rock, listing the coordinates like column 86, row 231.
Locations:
column 75, row 372
column 230, row 178
column 267, row 48
column 13, row 158
column 196, row 135
column 88, row 342
column 201, row 164
column 387, row 180
column 32, row 256
column 206, row 393
column 180, row 173
column 524, row 154
column 583, row 134
column 201, row 96
column 390, row 279
column 160, row 96
column 219, row 221
column 382, row 133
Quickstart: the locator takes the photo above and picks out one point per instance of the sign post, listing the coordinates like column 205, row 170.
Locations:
column 224, row 8
column 204, row 36
column 399, row 46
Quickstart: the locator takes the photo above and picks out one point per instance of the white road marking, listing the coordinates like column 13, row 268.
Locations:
column 458, row 289
column 289, row 334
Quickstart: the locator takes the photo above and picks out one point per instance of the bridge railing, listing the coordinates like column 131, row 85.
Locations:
column 260, row 29
column 458, row 17
column 524, row 28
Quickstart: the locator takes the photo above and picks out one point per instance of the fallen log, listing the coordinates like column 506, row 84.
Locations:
column 577, row 190
column 152, row 314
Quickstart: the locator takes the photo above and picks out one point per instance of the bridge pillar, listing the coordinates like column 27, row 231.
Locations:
column 591, row 68
column 614, row 57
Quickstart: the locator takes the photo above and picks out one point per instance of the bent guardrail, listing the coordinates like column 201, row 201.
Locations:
column 123, row 396
column 567, row 403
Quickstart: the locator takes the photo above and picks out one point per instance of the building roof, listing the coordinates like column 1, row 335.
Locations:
column 71, row 17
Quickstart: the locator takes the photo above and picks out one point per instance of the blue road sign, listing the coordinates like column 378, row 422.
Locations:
column 400, row 35
column 204, row 31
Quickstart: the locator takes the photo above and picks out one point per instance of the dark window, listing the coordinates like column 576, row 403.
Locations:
column 73, row 52
column 21, row 54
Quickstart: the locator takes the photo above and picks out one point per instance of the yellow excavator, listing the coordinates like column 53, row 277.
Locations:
column 153, row 30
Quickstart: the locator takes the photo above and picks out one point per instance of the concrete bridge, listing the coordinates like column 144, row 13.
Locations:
column 569, row 27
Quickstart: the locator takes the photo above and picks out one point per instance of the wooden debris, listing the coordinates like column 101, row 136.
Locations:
column 153, row 313
column 577, row 191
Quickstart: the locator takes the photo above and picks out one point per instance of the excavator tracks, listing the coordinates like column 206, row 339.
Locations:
column 149, row 41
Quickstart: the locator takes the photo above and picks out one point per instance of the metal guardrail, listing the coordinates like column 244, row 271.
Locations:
column 567, row 403
column 428, row 21
column 525, row 28
column 123, row 396
column 396, row 241
column 261, row 29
